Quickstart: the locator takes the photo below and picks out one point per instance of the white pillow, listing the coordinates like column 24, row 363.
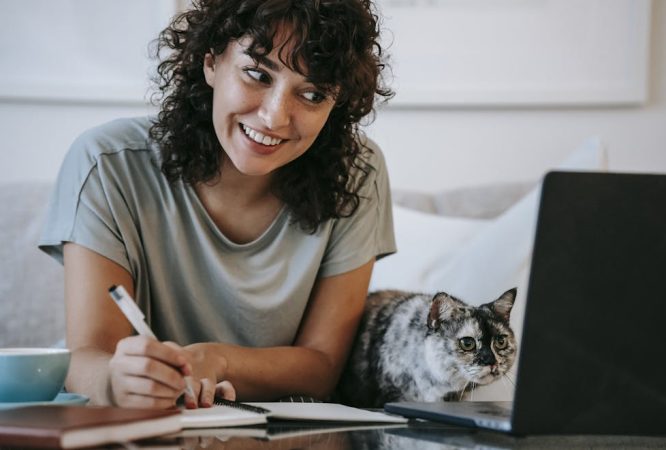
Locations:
column 475, row 261
column 498, row 257
column 424, row 241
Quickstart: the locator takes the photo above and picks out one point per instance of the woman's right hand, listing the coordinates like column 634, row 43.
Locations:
column 146, row 373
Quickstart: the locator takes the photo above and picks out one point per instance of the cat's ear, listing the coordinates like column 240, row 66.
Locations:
column 442, row 307
column 502, row 306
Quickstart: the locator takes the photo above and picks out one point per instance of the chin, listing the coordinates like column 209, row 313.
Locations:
column 255, row 172
column 252, row 169
column 487, row 378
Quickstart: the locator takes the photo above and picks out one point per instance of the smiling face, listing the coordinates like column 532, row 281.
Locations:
column 265, row 115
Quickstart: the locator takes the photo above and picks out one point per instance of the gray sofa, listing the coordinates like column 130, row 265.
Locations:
column 31, row 283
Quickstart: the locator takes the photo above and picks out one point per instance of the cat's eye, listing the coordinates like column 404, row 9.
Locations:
column 467, row 343
column 501, row 342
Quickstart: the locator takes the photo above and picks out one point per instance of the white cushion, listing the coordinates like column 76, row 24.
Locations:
column 424, row 241
column 472, row 202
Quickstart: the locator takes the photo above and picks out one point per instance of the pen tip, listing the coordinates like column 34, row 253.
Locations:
column 112, row 288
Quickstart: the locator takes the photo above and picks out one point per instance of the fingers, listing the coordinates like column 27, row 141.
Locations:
column 142, row 366
column 190, row 394
column 166, row 352
column 225, row 390
column 147, row 373
column 184, row 366
column 208, row 391
column 132, row 391
column 207, row 394
column 129, row 400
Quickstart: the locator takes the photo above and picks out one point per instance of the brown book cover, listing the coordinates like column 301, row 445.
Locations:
column 74, row 426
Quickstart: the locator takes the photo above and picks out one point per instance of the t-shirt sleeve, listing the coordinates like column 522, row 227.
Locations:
column 368, row 233
column 83, row 207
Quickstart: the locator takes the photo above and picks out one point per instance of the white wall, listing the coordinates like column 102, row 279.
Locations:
column 36, row 136
column 431, row 149
column 426, row 149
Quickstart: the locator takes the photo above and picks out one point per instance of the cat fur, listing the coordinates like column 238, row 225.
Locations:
column 407, row 348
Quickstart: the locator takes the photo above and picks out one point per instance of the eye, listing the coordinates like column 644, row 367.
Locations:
column 467, row 343
column 257, row 75
column 501, row 342
column 314, row 96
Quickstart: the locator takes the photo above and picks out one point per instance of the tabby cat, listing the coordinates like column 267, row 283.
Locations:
column 418, row 347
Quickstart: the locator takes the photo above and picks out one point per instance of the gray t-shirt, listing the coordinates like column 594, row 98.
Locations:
column 193, row 283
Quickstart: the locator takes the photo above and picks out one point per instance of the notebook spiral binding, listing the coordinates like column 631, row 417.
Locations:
column 255, row 409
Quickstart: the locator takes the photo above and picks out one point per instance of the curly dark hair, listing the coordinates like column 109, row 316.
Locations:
column 336, row 45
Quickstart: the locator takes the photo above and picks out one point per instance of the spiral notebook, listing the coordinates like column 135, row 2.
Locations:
column 228, row 414
column 222, row 414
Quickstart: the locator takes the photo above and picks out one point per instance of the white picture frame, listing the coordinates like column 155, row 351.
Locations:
column 487, row 53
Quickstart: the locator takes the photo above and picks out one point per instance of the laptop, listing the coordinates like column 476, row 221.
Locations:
column 593, row 349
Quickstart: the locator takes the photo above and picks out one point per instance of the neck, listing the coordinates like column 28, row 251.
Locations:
column 236, row 188
column 241, row 206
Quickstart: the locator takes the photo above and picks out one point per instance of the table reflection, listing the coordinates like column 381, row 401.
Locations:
column 417, row 435
column 299, row 436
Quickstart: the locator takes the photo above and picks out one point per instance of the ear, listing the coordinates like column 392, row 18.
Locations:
column 209, row 69
column 502, row 306
column 442, row 307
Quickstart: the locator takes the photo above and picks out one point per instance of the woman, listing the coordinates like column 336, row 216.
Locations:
column 245, row 219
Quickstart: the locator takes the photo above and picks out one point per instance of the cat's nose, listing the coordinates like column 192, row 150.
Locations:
column 486, row 357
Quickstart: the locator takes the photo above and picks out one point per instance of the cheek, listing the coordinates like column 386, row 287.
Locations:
column 506, row 357
column 231, row 101
column 219, row 102
column 313, row 124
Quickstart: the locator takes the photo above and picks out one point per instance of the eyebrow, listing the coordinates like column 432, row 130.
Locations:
column 264, row 60
column 272, row 65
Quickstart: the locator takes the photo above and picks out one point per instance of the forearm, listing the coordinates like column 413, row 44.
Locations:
column 312, row 366
column 274, row 372
column 89, row 375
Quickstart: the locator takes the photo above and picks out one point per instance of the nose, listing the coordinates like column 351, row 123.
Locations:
column 486, row 357
column 275, row 110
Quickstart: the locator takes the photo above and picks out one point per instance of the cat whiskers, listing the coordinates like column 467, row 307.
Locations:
column 506, row 378
column 505, row 385
column 462, row 392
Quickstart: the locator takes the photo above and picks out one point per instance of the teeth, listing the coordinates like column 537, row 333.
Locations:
column 260, row 138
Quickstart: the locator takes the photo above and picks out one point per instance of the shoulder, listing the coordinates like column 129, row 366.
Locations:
column 116, row 135
column 372, row 154
column 112, row 138
column 372, row 173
